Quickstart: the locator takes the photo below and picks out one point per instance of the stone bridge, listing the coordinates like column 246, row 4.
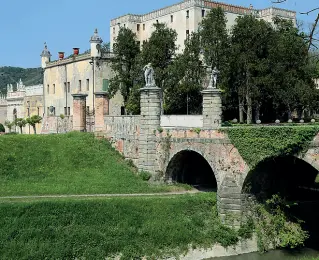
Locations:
column 186, row 149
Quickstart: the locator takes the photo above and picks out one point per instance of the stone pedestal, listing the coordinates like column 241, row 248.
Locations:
column 101, row 109
column 212, row 108
column 79, row 112
column 149, row 123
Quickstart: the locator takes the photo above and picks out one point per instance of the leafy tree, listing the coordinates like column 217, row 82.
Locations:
column 250, row 46
column 9, row 124
column 159, row 50
column 126, row 50
column 185, row 81
column 293, row 86
column 33, row 120
column 215, row 40
column 2, row 129
column 20, row 122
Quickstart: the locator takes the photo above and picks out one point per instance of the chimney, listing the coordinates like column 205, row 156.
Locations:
column 61, row 55
column 76, row 51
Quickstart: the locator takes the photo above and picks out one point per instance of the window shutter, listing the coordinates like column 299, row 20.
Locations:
column 105, row 84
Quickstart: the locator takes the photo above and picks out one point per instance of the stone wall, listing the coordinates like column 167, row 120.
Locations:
column 55, row 125
column 123, row 132
column 182, row 121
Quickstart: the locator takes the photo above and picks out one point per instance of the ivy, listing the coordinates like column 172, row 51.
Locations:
column 256, row 144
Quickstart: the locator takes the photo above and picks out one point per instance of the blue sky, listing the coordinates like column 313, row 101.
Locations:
column 26, row 24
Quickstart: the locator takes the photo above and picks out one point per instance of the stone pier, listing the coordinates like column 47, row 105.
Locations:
column 149, row 123
column 79, row 112
column 101, row 109
column 212, row 108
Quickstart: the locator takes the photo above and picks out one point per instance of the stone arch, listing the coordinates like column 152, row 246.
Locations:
column 190, row 166
column 280, row 174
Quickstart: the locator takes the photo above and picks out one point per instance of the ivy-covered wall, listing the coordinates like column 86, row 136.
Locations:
column 256, row 144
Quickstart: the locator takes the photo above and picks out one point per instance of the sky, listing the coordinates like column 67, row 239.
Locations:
column 64, row 24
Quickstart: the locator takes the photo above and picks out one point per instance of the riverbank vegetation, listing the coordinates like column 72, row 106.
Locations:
column 74, row 163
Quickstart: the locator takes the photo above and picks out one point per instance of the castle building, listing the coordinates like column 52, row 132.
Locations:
column 185, row 18
column 82, row 73
column 21, row 102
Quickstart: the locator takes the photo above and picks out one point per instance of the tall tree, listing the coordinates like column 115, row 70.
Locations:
column 20, row 122
column 185, row 81
column 250, row 47
column 159, row 50
column 126, row 50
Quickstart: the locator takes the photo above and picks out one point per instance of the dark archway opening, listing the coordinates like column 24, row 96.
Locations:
column 294, row 180
column 189, row 167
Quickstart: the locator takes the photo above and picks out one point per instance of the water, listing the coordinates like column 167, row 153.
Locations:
column 304, row 253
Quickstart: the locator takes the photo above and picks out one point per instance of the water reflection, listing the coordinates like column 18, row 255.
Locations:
column 304, row 253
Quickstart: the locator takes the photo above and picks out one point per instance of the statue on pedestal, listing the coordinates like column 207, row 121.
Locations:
column 213, row 78
column 149, row 75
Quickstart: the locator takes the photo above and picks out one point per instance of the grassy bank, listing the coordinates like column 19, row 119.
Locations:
column 95, row 228
column 75, row 163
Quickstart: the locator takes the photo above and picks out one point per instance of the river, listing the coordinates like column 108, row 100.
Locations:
column 302, row 254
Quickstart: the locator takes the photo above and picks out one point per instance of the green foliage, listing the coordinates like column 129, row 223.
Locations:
column 145, row 176
column 2, row 129
column 273, row 226
column 197, row 130
column 73, row 163
column 33, row 120
column 256, row 144
column 160, row 130
column 62, row 116
column 20, row 122
column 9, row 124
column 126, row 50
column 94, row 229
column 11, row 75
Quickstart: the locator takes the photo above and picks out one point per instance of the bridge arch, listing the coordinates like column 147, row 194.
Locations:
column 190, row 166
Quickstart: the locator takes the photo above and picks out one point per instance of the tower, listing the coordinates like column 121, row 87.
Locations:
column 96, row 42
column 45, row 56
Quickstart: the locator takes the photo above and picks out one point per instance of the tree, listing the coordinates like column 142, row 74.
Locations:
column 9, row 124
column 33, row 120
column 2, row 129
column 185, row 81
column 159, row 50
column 215, row 40
column 126, row 50
column 20, row 122
column 293, row 74
column 250, row 45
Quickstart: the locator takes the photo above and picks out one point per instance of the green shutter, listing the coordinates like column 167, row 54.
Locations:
column 105, row 84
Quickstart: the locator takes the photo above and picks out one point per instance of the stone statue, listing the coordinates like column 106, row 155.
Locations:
column 149, row 75
column 20, row 86
column 213, row 78
column 9, row 88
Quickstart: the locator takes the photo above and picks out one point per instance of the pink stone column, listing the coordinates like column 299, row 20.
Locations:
column 79, row 112
column 101, row 109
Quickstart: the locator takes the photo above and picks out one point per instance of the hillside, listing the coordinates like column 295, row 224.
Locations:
column 11, row 75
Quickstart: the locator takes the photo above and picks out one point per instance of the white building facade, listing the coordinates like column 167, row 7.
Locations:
column 185, row 17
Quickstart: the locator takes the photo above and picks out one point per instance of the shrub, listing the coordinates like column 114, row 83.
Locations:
column 2, row 128
column 145, row 176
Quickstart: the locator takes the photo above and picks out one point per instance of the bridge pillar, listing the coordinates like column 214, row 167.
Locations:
column 212, row 108
column 79, row 112
column 101, row 109
column 150, row 122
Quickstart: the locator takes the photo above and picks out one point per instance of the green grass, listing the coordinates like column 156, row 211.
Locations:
column 74, row 163
column 96, row 228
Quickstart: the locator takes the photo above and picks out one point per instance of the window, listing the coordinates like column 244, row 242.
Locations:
column 156, row 21
column 138, row 27
column 203, row 13
column 105, row 84
column 144, row 27
column 28, row 109
column 65, row 88
column 122, row 111
column 87, row 109
column 80, row 85
column 187, row 14
column 38, row 111
column 53, row 88
column 54, row 111
column 69, row 111
column 187, row 34
column 124, row 25
column 69, row 87
column 48, row 111
column 48, row 89
column 65, row 111
column 113, row 30
column 172, row 18
column 87, row 84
